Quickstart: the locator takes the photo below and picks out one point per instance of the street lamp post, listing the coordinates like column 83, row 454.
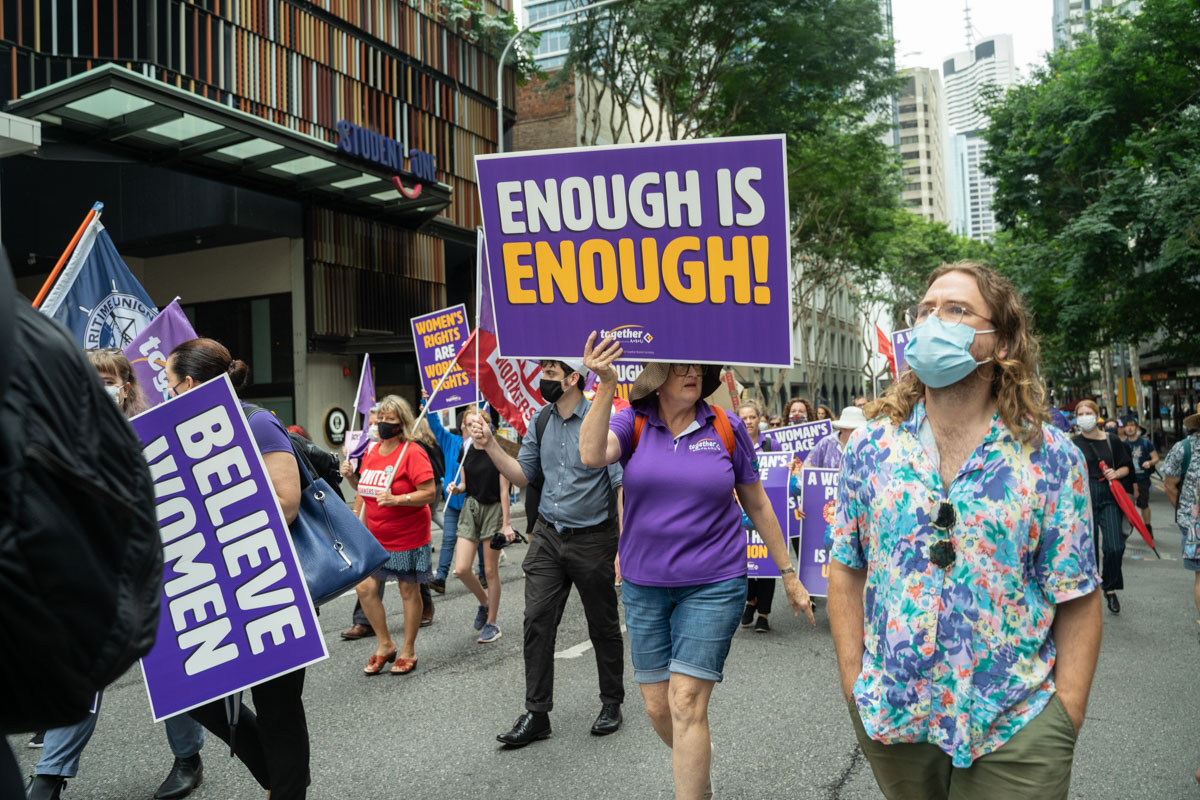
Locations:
column 503, row 55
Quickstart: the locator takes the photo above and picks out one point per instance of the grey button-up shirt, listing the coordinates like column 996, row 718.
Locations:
column 573, row 496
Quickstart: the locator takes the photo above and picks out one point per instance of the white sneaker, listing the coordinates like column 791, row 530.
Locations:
column 503, row 557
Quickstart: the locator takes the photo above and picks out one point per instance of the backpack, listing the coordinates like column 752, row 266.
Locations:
column 533, row 490
column 720, row 422
column 438, row 462
column 80, row 553
column 320, row 463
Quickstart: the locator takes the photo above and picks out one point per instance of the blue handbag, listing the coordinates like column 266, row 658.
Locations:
column 335, row 550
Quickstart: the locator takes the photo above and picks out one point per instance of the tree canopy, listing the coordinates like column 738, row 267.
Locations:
column 1097, row 163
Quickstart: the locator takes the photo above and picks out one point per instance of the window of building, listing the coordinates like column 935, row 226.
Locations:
column 912, row 123
column 910, row 139
column 912, row 170
column 913, row 203
column 914, row 187
column 910, row 109
column 910, row 155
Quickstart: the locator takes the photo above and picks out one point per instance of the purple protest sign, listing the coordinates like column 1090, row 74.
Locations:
column 438, row 337
column 149, row 350
column 627, row 372
column 666, row 247
column 799, row 440
column 235, row 607
column 818, row 500
column 773, row 469
column 899, row 342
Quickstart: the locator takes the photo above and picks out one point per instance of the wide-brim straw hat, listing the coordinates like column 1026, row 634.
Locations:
column 1192, row 422
column 654, row 375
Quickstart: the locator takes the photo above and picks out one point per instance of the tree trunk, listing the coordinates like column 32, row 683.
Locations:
column 1135, row 368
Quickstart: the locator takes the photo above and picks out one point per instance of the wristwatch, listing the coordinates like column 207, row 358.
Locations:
column 786, row 570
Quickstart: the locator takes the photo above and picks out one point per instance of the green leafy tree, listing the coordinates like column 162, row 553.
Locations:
column 1096, row 160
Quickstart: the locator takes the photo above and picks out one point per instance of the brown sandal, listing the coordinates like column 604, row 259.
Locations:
column 403, row 666
column 376, row 663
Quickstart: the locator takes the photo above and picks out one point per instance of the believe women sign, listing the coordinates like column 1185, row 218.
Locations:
column 678, row 250
column 235, row 608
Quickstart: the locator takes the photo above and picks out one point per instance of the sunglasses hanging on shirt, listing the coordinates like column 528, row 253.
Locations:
column 941, row 552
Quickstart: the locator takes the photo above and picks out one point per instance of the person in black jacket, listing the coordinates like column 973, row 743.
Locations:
column 1098, row 446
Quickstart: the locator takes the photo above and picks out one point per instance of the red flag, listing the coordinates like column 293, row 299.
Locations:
column 509, row 384
column 885, row 348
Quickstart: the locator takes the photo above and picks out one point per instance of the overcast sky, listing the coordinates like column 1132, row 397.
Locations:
column 929, row 30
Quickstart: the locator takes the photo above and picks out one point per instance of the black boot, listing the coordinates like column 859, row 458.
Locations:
column 186, row 774
column 609, row 720
column 46, row 787
column 530, row 726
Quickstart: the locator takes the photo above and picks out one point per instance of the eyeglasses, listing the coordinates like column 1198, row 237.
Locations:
column 941, row 552
column 950, row 314
column 683, row 369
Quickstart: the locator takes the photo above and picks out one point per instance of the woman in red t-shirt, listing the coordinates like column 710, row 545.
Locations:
column 396, row 492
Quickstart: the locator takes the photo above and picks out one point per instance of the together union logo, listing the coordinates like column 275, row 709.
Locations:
column 705, row 444
column 628, row 334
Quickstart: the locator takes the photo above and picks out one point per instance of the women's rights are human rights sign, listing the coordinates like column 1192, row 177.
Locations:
column 678, row 250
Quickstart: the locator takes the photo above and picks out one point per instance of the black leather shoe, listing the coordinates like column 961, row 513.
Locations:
column 1114, row 605
column 185, row 775
column 609, row 720
column 46, row 787
column 530, row 727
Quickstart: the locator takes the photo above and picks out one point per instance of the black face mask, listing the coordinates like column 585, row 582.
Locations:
column 387, row 430
column 551, row 390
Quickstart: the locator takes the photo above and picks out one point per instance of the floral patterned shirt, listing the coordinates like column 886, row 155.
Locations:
column 963, row 657
column 1187, row 515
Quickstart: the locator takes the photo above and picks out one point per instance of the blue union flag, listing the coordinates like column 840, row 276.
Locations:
column 97, row 296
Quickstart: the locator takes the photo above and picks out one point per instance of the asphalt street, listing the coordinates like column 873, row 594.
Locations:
column 780, row 727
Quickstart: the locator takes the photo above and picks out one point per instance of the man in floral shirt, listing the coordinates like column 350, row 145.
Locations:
column 962, row 589
column 1184, row 493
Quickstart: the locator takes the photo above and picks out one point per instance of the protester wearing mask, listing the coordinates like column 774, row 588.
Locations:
column 760, row 592
column 397, row 484
column 62, row 747
column 1097, row 446
column 798, row 411
column 272, row 740
column 962, row 581
column 574, row 541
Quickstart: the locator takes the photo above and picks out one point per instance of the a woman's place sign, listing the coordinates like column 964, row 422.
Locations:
column 235, row 607
column 671, row 245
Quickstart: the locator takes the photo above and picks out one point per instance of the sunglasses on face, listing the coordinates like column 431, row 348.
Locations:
column 941, row 552
column 682, row 370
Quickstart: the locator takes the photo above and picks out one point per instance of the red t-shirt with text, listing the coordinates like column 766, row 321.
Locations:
column 397, row 528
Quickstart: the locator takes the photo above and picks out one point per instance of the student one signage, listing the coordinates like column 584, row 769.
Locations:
column 384, row 151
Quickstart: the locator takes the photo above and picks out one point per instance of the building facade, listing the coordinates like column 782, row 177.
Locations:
column 967, row 75
column 1070, row 17
column 921, row 135
column 300, row 174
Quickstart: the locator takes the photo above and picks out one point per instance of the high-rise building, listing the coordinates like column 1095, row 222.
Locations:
column 1071, row 16
column 921, row 125
column 552, row 48
column 967, row 75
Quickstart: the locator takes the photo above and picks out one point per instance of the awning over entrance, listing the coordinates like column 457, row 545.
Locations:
column 116, row 109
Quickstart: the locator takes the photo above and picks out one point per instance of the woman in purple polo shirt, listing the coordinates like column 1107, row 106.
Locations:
column 682, row 550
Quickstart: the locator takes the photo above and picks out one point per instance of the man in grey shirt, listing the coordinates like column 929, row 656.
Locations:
column 574, row 541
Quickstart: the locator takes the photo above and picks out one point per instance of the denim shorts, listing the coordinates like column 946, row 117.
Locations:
column 683, row 629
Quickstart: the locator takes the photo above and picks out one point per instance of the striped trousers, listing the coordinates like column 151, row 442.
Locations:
column 1110, row 544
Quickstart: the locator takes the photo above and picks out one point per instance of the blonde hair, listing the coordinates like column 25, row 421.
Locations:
column 397, row 405
column 117, row 365
column 1019, row 392
column 424, row 433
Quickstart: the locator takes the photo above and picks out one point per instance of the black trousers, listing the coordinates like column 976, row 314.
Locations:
column 553, row 563
column 272, row 740
column 760, row 592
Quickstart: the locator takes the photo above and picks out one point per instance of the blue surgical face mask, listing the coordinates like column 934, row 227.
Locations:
column 940, row 354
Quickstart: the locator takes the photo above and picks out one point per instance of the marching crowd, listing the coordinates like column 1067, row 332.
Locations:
column 973, row 542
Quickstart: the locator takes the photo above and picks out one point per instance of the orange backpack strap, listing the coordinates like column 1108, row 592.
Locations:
column 724, row 430
column 639, row 423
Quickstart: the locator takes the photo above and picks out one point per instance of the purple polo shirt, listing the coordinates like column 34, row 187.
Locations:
column 683, row 526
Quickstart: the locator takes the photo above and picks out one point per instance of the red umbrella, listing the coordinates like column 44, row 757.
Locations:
column 1125, row 502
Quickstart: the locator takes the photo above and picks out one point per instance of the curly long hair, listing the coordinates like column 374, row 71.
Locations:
column 1019, row 391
